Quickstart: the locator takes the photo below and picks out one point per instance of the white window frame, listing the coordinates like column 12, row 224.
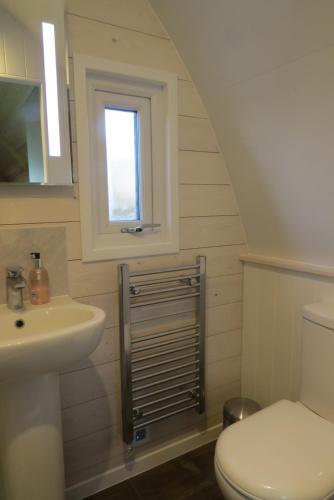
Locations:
column 100, row 240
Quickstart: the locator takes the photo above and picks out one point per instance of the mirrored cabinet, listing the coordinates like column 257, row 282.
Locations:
column 34, row 128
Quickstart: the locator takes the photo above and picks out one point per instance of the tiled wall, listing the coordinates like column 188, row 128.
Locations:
column 128, row 31
column 272, row 332
column 16, row 245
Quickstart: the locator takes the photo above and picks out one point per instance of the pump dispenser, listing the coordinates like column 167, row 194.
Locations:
column 38, row 281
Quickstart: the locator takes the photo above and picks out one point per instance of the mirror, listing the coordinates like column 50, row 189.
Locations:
column 21, row 154
column 34, row 129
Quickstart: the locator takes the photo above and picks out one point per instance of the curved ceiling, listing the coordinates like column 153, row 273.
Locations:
column 265, row 72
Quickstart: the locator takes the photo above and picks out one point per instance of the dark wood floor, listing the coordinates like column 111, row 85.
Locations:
column 190, row 477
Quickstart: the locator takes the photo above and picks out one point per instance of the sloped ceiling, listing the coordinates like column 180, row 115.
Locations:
column 265, row 71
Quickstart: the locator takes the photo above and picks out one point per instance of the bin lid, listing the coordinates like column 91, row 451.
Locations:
column 240, row 408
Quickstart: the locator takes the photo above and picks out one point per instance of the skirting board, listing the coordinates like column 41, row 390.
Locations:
column 142, row 464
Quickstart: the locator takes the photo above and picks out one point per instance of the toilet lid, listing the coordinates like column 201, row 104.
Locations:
column 282, row 452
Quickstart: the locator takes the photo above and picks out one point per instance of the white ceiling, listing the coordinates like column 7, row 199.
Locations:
column 265, row 71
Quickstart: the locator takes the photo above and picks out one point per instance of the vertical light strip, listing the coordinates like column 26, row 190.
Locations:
column 51, row 88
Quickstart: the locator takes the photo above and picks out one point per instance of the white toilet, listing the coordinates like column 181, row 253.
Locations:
column 286, row 451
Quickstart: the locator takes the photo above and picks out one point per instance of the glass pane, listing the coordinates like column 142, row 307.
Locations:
column 123, row 182
column 21, row 157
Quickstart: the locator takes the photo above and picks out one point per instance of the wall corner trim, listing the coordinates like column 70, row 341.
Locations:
column 290, row 265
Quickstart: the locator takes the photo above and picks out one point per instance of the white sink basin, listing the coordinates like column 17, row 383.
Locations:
column 35, row 345
column 45, row 339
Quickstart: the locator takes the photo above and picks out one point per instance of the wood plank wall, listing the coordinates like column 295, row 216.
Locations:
column 20, row 50
column 272, row 330
column 128, row 31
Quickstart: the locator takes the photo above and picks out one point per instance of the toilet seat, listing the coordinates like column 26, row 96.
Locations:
column 282, row 452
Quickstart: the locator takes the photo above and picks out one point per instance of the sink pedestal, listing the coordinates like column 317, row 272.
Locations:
column 35, row 345
column 31, row 449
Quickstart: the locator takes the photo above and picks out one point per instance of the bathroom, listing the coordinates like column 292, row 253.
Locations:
column 231, row 109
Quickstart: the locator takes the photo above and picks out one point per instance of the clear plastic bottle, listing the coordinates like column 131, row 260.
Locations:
column 38, row 281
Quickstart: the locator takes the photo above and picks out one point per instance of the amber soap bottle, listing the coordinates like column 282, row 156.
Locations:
column 38, row 281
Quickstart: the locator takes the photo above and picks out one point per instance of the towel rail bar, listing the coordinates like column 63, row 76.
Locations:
column 167, row 379
column 163, row 372
column 164, row 353
column 158, row 281
column 165, row 299
column 165, row 362
column 170, row 289
column 165, row 389
column 165, row 407
column 163, row 334
column 164, row 270
column 163, row 417
column 165, row 398
column 164, row 343
column 161, row 316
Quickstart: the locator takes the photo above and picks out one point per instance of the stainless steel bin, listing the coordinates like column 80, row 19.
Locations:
column 236, row 409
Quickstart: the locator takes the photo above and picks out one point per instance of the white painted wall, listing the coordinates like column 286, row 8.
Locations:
column 265, row 71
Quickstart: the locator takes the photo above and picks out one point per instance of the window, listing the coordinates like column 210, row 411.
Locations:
column 121, row 136
column 127, row 155
column 123, row 166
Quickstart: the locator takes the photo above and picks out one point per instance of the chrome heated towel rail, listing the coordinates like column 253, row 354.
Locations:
column 162, row 367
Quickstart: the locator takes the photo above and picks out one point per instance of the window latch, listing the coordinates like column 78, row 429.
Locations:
column 139, row 229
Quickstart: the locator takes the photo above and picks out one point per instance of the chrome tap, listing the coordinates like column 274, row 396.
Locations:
column 15, row 283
